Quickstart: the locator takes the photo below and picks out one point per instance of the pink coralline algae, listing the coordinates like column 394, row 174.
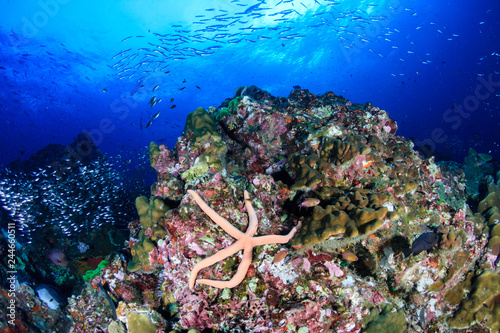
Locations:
column 283, row 151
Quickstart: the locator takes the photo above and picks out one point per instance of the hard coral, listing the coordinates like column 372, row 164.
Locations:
column 375, row 193
column 350, row 215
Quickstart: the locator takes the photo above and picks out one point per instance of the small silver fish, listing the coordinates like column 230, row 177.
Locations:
column 152, row 100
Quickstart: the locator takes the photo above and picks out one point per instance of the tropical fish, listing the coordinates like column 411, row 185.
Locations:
column 280, row 256
column 57, row 257
column 366, row 164
column 155, row 87
column 424, row 242
column 349, row 256
column 152, row 100
column 50, row 296
column 309, row 202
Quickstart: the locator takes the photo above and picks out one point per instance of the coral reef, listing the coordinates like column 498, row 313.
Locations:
column 361, row 194
column 373, row 191
column 482, row 304
column 353, row 214
column 151, row 213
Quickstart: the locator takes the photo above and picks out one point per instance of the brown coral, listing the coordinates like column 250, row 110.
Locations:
column 449, row 239
column 309, row 171
column 353, row 214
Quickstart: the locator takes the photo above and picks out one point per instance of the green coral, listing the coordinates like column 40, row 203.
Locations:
column 387, row 320
column 201, row 130
column 140, row 323
column 140, row 254
column 231, row 108
column 197, row 170
column 151, row 213
column 233, row 104
column 90, row 274
column 153, row 152
column 223, row 112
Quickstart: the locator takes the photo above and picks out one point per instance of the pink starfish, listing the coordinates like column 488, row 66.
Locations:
column 244, row 241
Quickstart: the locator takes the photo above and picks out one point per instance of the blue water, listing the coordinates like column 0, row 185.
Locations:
column 68, row 66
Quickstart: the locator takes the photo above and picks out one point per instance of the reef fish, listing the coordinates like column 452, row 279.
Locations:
column 349, row 256
column 50, row 296
column 424, row 242
column 309, row 202
column 58, row 257
column 280, row 256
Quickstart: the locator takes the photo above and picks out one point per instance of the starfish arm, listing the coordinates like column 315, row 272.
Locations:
column 222, row 222
column 240, row 273
column 271, row 239
column 221, row 255
column 252, row 216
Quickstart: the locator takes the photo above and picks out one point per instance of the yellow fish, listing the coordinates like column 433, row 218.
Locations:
column 349, row 256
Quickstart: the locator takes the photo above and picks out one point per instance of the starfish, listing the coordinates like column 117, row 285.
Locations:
column 244, row 241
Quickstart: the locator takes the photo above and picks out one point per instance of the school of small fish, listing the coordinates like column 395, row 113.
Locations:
column 79, row 200
column 344, row 27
